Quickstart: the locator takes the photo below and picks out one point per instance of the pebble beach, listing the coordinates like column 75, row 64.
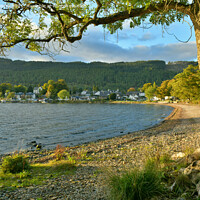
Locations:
column 179, row 132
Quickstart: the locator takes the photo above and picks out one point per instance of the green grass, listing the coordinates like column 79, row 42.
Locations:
column 136, row 184
column 37, row 175
column 14, row 164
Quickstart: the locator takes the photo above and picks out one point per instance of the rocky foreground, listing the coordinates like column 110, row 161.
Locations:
column 180, row 132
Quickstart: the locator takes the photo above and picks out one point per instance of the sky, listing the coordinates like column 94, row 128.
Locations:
column 128, row 45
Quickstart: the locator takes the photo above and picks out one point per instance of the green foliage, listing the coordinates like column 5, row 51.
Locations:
column 52, row 88
column 186, row 85
column 30, row 88
column 14, row 164
column 11, row 95
column 136, row 184
column 84, row 75
column 150, row 92
column 5, row 86
column 68, row 20
column 146, row 86
column 95, row 88
column 112, row 96
column 38, row 174
column 131, row 89
column 20, row 88
column 63, row 94
column 164, row 89
column 183, row 183
column 165, row 159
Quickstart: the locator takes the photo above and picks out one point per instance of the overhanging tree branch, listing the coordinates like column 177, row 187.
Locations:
column 68, row 22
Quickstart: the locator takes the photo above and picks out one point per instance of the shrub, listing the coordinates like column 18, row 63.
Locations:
column 136, row 184
column 60, row 152
column 183, row 183
column 14, row 164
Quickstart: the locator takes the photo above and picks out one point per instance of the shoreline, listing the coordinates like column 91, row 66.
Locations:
column 179, row 132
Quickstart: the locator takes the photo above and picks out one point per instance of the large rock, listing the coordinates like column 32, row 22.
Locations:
column 177, row 156
column 196, row 154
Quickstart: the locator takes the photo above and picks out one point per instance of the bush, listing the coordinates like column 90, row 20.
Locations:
column 136, row 184
column 14, row 164
column 183, row 183
column 59, row 152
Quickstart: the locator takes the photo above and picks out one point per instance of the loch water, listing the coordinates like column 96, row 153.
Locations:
column 72, row 124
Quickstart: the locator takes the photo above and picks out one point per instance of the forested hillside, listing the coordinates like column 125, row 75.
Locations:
column 121, row 75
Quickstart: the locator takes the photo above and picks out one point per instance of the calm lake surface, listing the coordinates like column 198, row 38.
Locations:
column 72, row 124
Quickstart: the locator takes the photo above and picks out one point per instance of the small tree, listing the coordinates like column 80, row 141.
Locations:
column 30, row 89
column 145, row 86
column 186, row 85
column 20, row 88
column 131, row 89
column 63, row 94
column 150, row 92
column 95, row 88
column 164, row 89
column 112, row 96
column 11, row 95
column 14, row 164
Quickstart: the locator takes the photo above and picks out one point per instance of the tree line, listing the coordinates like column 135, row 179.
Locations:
column 183, row 86
column 51, row 89
column 81, row 75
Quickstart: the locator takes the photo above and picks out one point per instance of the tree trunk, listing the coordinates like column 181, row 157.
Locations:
column 197, row 34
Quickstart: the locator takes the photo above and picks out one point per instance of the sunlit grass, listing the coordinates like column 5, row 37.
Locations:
column 37, row 175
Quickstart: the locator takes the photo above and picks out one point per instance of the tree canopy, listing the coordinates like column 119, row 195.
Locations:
column 186, row 85
column 38, row 23
column 63, row 94
column 81, row 76
column 52, row 88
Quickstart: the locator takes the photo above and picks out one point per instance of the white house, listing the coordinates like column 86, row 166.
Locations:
column 36, row 90
column 30, row 95
column 19, row 95
column 74, row 98
column 141, row 94
column 85, row 93
column 102, row 94
column 133, row 97
column 155, row 98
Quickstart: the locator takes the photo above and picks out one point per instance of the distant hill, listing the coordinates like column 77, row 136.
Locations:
column 120, row 75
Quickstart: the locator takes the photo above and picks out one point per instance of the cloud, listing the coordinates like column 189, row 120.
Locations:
column 20, row 53
column 110, row 52
column 93, row 47
column 147, row 36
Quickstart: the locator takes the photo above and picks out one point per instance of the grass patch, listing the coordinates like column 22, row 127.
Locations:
column 38, row 174
column 136, row 184
column 14, row 164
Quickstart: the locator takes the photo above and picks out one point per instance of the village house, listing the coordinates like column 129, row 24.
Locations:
column 36, row 90
column 30, row 96
column 19, row 96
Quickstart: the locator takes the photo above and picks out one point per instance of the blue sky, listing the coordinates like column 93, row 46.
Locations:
column 130, row 45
